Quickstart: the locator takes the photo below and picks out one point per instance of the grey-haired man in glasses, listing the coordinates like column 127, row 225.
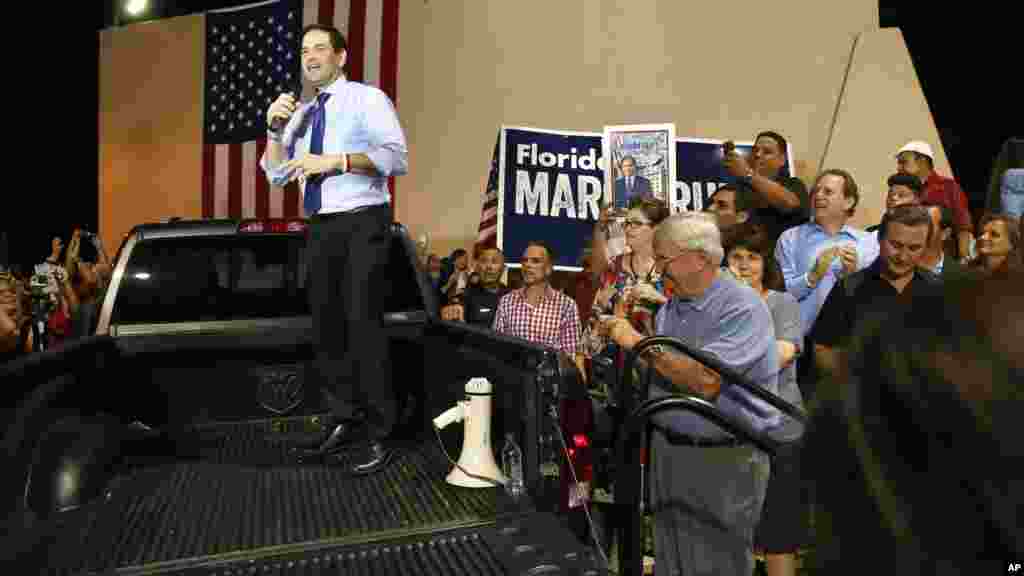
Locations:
column 707, row 486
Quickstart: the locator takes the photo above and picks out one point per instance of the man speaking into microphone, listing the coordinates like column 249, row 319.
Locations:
column 341, row 148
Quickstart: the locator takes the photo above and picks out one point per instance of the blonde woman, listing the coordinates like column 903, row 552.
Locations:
column 999, row 245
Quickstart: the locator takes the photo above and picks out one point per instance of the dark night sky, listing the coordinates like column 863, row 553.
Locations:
column 962, row 54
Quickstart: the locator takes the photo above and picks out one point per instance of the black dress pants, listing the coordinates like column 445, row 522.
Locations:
column 349, row 288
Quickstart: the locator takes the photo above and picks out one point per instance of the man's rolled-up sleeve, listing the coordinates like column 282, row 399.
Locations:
column 785, row 255
column 276, row 176
column 388, row 150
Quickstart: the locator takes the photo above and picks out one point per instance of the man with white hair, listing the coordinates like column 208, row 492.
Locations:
column 707, row 487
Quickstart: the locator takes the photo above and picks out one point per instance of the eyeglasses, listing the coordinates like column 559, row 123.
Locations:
column 532, row 260
column 634, row 224
column 663, row 261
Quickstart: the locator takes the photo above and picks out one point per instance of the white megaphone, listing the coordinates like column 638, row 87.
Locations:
column 477, row 458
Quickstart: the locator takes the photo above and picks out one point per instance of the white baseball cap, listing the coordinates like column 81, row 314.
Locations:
column 918, row 146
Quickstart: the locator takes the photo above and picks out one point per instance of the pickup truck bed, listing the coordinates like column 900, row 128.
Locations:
column 204, row 485
column 212, row 491
column 234, row 494
column 224, row 498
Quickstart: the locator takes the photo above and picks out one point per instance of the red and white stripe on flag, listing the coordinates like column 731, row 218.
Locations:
column 234, row 185
column 487, row 232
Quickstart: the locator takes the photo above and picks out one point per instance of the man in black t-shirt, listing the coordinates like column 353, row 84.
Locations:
column 860, row 302
column 921, row 434
column 780, row 201
column 480, row 301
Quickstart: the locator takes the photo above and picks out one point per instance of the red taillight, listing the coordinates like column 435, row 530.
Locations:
column 576, row 421
column 251, row 227
column 272, row 226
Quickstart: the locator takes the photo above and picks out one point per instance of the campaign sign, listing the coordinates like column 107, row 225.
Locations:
column 551, row 187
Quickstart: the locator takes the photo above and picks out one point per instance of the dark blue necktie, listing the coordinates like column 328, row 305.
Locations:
column 316, row 146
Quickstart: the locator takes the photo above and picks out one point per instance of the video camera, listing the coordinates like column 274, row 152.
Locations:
column 39, row 285
column 44, row 287
column 44, row 301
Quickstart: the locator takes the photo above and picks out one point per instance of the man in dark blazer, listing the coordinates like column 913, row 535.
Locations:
column 937, row 257
column 630, row 185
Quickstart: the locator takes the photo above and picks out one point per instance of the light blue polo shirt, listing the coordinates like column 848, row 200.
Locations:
column 731, row 323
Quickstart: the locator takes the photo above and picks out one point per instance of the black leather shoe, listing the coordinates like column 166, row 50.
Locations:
column 342, row 435
column 368, row 458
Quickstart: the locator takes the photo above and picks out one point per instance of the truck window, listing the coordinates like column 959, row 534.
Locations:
column 213, row 278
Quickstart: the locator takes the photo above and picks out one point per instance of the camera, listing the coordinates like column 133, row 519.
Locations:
column 42, row 297
column 39, row 285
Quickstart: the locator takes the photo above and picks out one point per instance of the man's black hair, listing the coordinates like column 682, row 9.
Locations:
column 912, row 182
column 337, row 38
column 547, row 247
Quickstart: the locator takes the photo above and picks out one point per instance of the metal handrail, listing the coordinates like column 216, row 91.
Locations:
column 629, row 483
column 728, row 374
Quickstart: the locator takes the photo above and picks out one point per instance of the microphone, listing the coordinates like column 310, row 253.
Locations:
column 277, row 124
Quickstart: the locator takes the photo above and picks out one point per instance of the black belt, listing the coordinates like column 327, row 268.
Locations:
column 676, row 439
column 350, row 212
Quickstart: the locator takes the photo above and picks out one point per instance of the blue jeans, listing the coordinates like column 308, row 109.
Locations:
column 1012, row 192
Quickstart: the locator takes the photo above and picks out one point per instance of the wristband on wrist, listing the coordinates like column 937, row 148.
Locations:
column 655, row 351
column 344, row 163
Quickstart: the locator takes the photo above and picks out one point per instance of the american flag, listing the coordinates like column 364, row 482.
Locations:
column 252, row 56
column 487, row 233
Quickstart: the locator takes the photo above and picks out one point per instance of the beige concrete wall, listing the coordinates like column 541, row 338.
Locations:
column 882, row 109
column 716, row 69
column 150, row 164
column 467, row 66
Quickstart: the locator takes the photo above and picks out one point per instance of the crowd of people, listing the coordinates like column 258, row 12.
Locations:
column 900, row 340
column 772, row 280
column 57, row 300
column 775, row 282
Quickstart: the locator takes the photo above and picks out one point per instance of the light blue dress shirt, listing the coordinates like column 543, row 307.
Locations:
column 360, row 119
column 797, row 251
